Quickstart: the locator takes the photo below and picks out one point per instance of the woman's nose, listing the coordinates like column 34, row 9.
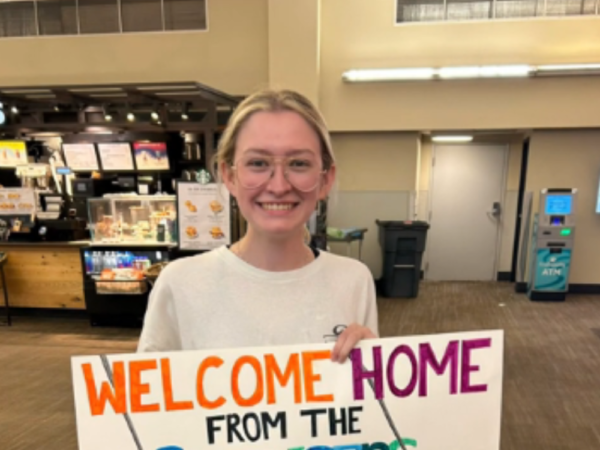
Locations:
column 278, row 182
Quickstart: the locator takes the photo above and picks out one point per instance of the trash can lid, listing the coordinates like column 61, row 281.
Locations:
column 403, row 224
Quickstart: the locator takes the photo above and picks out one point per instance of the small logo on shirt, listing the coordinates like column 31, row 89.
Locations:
column 337, row 330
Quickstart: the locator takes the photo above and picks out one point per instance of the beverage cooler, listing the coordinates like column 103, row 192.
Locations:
column 132, row 240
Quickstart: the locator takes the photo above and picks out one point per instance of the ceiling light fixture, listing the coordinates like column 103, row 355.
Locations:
column 469, row 72
column 184, row 112
column 419, row 73
column 550, row 70
column 154, row 115
column 14, row 110
column 452, row 138
column 130, row 116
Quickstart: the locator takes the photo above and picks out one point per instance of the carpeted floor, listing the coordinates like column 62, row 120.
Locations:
column 552, row 364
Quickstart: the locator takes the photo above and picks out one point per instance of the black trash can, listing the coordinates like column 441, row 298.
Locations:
column 402, row 245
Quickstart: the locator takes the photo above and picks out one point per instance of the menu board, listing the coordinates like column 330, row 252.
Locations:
column 81, row 157
column 204, row 216
column 151, row 155
column 116, row 156
column 12, row 153
column 17, row 202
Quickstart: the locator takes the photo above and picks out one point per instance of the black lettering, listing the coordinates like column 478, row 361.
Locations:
column 353, row 419
column 313, row 413
column 233, row 420
column 253, row 437
column 280, row 420
column 337, row 422
column 212, row 427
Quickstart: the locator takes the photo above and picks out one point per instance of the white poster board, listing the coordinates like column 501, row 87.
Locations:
column 81, row 157
column 17, row 202
column 116, row 156
column 204, row 216
column 428, row 392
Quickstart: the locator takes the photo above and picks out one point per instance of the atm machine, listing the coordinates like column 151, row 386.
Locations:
column 552, row 245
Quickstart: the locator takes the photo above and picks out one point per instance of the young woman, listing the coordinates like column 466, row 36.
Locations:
column 269, row 288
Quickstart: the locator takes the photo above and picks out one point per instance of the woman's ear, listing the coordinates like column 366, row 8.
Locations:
column 228, row 176
column 328, row 180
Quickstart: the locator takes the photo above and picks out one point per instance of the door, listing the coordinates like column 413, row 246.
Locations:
column 466, row 198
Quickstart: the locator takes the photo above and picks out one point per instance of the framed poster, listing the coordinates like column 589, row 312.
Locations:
column 203, row 215
column 12, row 153
column 116, row 156
column 151, row 155
column 428, row 392
column 17, row 202
column 81, row 157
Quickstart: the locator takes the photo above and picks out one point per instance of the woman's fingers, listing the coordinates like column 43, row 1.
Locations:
column 348, row 339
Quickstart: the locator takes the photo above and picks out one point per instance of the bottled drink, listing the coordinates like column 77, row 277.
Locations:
column 89, row 267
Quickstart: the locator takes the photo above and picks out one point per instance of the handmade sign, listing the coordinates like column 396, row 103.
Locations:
column 424, row 392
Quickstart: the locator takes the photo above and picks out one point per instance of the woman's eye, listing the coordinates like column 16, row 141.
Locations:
column 258, row 163
column 300, row 163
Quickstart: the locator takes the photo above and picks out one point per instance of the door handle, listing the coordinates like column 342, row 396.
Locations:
column 496, row 209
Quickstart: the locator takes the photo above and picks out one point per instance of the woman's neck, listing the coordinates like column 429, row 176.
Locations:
column 273, row 255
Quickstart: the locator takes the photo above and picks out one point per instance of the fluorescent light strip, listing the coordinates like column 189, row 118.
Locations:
column 452, row 138
column 423, row 73
column 568, row 67
column 469, row 72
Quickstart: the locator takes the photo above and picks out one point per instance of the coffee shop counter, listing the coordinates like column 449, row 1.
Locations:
column 44, row 275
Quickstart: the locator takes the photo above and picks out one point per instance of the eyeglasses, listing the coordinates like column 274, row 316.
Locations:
column 302, row 172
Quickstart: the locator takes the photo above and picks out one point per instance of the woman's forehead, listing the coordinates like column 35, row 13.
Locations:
column 279, row 132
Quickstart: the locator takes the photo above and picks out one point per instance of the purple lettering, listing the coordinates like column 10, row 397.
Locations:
column 359, row 374
column 408, row 390
column 427, row 357
column 467, row 368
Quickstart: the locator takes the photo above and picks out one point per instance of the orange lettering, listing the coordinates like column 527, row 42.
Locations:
column 310, row 377
column 273, row 370
column 170, row 404
column 137, row 388
column 235, row 387
column 211, row 361
column 116, row 398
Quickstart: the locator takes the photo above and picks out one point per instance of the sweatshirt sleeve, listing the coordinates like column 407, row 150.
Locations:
column 161, row 331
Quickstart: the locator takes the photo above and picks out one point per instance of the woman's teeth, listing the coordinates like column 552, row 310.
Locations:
column 277, row 206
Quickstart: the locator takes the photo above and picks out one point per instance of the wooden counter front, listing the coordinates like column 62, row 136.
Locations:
column 43, row 275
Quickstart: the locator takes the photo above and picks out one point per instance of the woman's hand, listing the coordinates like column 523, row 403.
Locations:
column 348, row 339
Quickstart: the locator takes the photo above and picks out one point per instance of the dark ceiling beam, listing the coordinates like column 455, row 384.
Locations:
column 64, row 96
column 15, row 99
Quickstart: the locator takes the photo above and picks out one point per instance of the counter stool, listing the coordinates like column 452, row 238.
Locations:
column 3, row 259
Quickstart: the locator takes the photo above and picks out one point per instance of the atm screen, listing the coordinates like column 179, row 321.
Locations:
column 558, row 205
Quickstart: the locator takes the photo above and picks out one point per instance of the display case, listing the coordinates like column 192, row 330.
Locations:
column 133, row 219
column 118, row 279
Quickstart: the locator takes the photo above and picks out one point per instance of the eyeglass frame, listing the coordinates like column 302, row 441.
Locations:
column 321, row 173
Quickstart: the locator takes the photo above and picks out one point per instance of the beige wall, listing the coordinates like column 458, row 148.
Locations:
column 376, row 161
column 571, row 159
column 377, row 173
column 232, row 56
column 294, row 46
column 356, row 34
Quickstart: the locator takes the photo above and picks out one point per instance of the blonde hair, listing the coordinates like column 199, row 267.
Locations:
column 270, row 100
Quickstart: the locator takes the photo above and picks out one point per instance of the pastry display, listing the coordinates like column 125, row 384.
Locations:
column 133, row 218
column 121, row 281
column 216, row 207
column 191, row 207
column 217, row 233
column 191, row 232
